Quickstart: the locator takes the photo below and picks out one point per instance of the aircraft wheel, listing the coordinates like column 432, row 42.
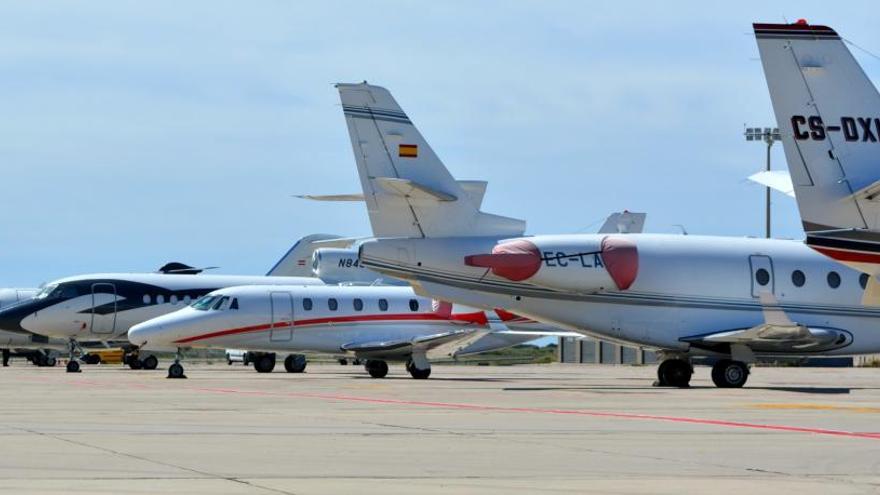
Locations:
column 135, row 363
column 376, row 368
column 73, row 367
column 295, row 363
column 265, row 363
column 48, row 361
column 176, row 371
column 150, row 362
column 730, row 374
column 675, row 373
column 419, row 374
column 343, row 361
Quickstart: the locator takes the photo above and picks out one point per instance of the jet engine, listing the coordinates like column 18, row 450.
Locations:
column 579, row 264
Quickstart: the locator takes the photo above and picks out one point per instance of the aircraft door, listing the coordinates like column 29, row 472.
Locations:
column 103, row 309
column 281, row 306
column 762, row 275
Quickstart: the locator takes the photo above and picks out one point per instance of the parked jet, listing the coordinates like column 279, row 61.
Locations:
column 102, row 307
column 376, row 324
column 731, row 298
column 36, row 348
column 828, row 113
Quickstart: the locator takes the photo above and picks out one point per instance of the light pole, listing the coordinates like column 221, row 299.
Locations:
column 769, row 136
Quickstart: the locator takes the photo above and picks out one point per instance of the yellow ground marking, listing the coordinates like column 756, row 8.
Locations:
column 816, row 407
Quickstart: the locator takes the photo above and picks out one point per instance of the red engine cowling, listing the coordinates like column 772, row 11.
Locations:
column 579, row 263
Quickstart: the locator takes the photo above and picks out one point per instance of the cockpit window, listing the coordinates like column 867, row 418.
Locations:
column 45, row 291
column 221, row 304
column 234, row 304
column 204, row 303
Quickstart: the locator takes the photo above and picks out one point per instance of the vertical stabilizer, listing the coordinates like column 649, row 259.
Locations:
column 407, row 189
column 828, row 113
column 297, row 261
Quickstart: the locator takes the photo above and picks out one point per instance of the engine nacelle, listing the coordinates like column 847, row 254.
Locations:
column 338, row 266
column 576, row 263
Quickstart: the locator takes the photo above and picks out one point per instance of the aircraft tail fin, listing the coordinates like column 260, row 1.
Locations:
column 297, row 261
column 828, row 113
column 407, row 189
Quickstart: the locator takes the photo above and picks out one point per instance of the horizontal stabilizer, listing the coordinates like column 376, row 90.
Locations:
column 331, row 197
column 778, row 180
column 411, row 190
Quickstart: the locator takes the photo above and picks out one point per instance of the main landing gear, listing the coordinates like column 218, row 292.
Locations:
column 176, row 369
column 135, row 362
column 265, row 363
column 727, row 373
column 295, row 363
column 376, row 368
column 674, row 373
column 416, row 372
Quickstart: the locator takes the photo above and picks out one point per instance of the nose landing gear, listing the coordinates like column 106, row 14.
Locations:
column 176, row 369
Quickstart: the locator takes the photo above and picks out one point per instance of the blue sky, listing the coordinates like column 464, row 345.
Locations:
column 135, row 133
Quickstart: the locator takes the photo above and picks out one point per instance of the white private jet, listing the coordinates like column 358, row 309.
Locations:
column 372, row 323
column 100, row 308
column 730, row 298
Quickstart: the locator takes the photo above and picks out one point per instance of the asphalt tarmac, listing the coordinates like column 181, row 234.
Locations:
column 468, row 429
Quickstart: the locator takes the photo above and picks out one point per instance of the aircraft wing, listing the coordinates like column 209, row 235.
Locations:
column 436, row 345
column 778, row 334
column 778, row 180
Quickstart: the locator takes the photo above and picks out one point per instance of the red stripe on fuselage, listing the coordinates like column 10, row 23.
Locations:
column 316, row 321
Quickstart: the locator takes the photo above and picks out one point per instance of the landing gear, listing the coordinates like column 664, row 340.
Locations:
column 265, row 363
column 176, row 369
column 150, row 362
column 295, row 363
column 72, row 363
column 135, row 363
column 417, row 373
column 343, row 361
column 674, row 373
column 727, row 373
column 376, row 368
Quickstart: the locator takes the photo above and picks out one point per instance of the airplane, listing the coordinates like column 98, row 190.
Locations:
column 372, row 323
column 828, row 113
column 36, row 348
column 734, row 299
column 100, row 308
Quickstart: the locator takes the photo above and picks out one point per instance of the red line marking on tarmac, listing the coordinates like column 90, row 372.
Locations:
column 571, row 412
column 524, row 410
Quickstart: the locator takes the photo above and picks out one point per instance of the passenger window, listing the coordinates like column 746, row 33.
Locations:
column 160, row 299
column 173, row 299
column 187, row 300
column 358, row 305
column 234, row 304
column 762, row 276
column 148, row 299
column 863, row 280
column 833, row 280
column 798, row 278
column 307, row 304
column 332, row 304
column 413, row 305
column 383, row 304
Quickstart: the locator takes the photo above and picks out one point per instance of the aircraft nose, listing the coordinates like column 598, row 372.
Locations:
column 12, row 316
column 144, row 332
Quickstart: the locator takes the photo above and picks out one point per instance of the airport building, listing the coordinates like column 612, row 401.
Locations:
column 588, row 350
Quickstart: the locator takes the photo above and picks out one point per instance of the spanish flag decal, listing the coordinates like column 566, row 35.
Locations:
column 408, row 150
